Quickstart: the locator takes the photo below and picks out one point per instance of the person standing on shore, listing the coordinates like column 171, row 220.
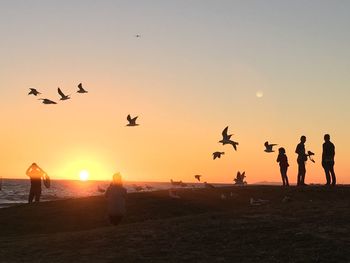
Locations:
column 116, row 195
column 328, row 154
column 283, row 162
column 35, row 173
column 302, row 158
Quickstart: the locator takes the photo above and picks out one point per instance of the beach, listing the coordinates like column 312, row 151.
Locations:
column 204, row 225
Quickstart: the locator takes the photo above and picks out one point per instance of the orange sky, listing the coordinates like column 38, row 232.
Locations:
column 192, row 73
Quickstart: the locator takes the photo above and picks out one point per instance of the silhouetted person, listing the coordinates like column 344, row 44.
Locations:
column 302, row 158
column 116, row 195
column 328, row 154
column 283, row 162
column 35, row 173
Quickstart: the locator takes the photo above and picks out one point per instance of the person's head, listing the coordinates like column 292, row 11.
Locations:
column 303, row 139
column 34, row 166
column 327, row 138
column 117, row 179
column 281, row 150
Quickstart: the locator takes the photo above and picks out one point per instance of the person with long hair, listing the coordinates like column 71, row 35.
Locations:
column 283, row 162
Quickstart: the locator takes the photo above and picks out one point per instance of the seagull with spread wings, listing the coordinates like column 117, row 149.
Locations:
column 269, row 147
column 132, row 121
column 47, row 101
column 81, row 89
column 226, row 139
column 217, row 155
column 63, row 96
column 198, row 177
column 33, row 92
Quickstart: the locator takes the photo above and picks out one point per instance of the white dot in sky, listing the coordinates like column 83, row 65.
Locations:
column 259, row 94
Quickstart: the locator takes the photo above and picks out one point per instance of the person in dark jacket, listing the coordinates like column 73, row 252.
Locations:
column 116, row 195
column 283, row 162
column 328, row 154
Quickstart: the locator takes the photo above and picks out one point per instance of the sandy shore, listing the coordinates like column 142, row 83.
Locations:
column 313, row 226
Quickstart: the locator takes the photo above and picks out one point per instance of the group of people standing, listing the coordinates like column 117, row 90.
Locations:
column 328, row 154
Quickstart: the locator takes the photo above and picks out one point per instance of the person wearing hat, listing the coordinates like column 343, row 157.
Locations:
column 35, row 173
column 116, row 195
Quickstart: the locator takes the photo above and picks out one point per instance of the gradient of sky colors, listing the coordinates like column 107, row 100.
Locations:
column 196, row 69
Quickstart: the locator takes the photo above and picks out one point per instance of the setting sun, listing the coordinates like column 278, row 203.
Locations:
column 84, row 175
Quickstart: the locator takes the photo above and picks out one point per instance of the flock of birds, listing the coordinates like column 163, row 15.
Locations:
column 81, row 90
column 226, row 137
column 35, row 92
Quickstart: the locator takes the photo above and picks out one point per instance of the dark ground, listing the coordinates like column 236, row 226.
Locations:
column 200, row 227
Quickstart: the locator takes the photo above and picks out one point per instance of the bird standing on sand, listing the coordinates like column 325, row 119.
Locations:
column 217, row 155
column 81, row 89
column 132, row 121
column 47, row 101
column 33, row 92
column 63, row 96
column 269, row 147
column 226, row 139
column 198, row 177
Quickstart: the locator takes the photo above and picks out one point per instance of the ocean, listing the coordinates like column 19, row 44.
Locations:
column 15, row 191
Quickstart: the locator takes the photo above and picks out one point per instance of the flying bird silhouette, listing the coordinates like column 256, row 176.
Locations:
column 198, row 177
column 269, row 147
column 47, row 101
column 217, row 155
column 33, row 92
column 81, row 89
column 63, row 96
column 138, row 35
column 132, row 121
column 226, row 139
column 309, row 154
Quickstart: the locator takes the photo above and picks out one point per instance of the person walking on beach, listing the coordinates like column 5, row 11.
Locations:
column 302, row 158
column 328, row 154
column 283, row 162
column 35, row 173
column 116, row 195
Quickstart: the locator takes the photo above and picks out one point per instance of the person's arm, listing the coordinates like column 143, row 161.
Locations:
column 28, row 170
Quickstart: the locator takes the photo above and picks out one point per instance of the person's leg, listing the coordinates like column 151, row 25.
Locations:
column 298, row 178
column 286, row 177
column 326, row 171
column 283, row 182
column 37, row 196
column 331, row 170
column 303, row 173
column 31, row 196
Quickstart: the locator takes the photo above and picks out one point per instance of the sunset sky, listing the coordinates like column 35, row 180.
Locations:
column 197, row 68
